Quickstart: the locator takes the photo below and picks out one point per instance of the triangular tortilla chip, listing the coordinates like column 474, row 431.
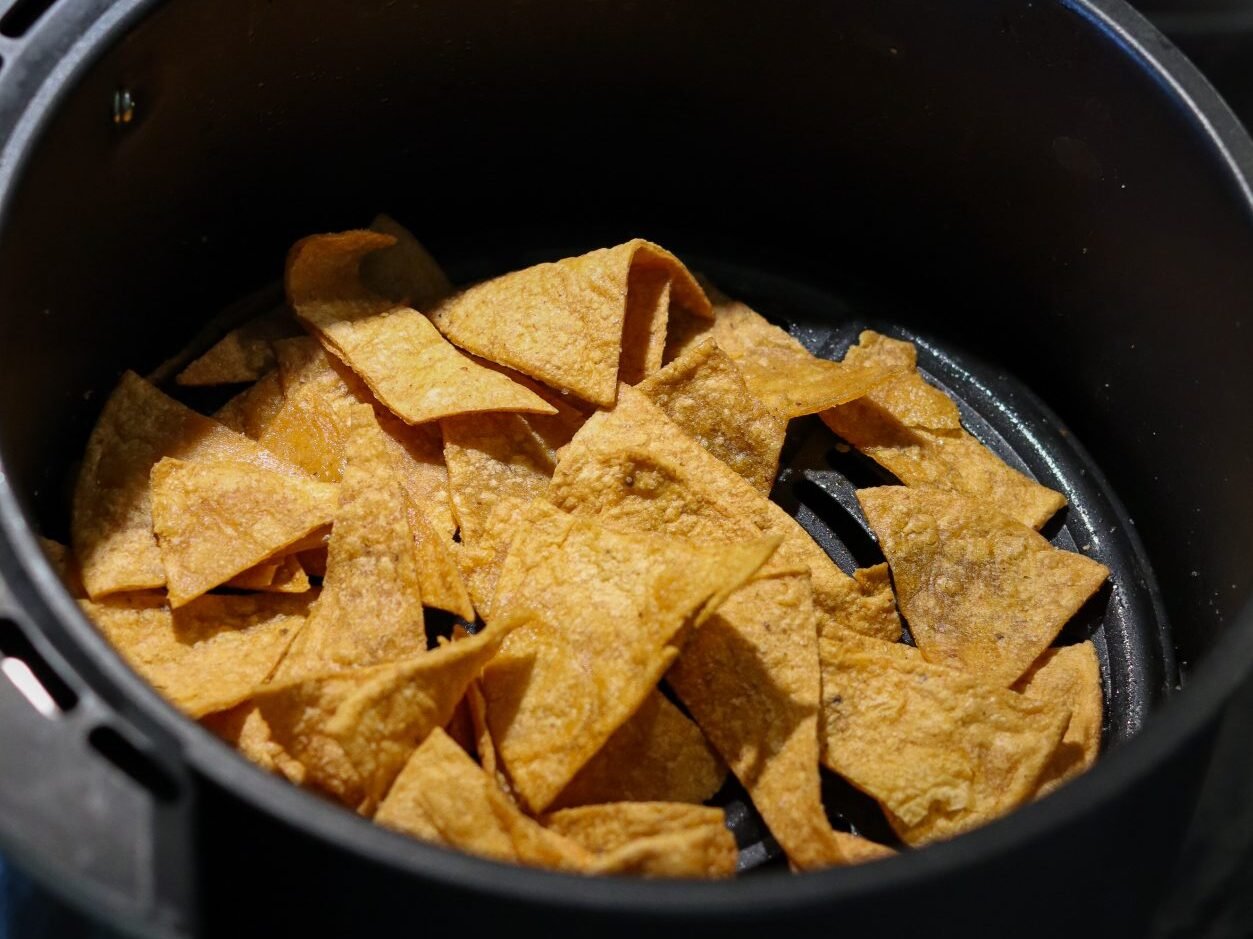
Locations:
column 214, row 520
column 1069, row 678
column 370, row 610
column 354, row 730
column 112, row 518
column 251, row 411
column 704, row 394
column 244, row 354
column 941, row 750
column 979, row 590
column 245, row 729
column 408, row 365
column 206, row 656
column 907, row 396
column 658, row 755
column 405, row 272
column 869, row 607
column 644, row 323
column 563, row 322
column 619, row 599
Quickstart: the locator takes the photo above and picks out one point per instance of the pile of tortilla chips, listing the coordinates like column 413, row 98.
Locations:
column 572, row 463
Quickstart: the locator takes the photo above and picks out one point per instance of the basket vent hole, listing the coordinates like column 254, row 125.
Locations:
column 31, row 674
column 22, row 16
column 133, row 762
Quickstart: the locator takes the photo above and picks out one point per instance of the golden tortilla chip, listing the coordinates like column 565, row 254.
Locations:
column 370, row 610
column 206, row 656
column 245, row 729
column 243, row 354
column 1069, row 678
column 405, row 272
column 256, row 577
column 481, row 557
column 354, row 730
column 941, row 750
column 658, row 755
column 112, row 519
column 870, row 606
column 907, row 396
column 644, row 323
column 563, row 323
column 617, row 599
column 979, row 590
column 419, row 452
column 484, row 746
column 408, row 365
column 704, row 394
column 289, row 576
column 62, row 561
column 652, row 839
column 214, row 520
column 694, row 852
column 251, row 411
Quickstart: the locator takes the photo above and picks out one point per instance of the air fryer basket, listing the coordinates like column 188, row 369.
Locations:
column 1044, row 194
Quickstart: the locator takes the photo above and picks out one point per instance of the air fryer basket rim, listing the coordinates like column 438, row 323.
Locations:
column 37, row 589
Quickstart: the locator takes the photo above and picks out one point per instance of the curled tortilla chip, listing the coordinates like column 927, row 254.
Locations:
column 251, row 411
column 652, row 839
column 563, row 323
column 370, row 610
column 658, row 755
column 215, row 520
column 354, row 730
column 244, row 354
column 644, row 323
column 941, row 750
column 112, row 517
column 621, row 600
column 1069, row 678
column 405, row 272
column 870, row 606
column 979, row 590
column 206, row 656
column 704, row 394
column 409, row 366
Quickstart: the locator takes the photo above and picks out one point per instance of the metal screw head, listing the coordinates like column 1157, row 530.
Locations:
column 123, row 106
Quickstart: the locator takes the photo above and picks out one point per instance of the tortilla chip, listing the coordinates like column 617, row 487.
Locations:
column 481, row 557
column 256, row 577
column 370, row 610
column 419, row 452
column 941, row 750
column 563, row 323
column 1069, row 678
column 244, row 354
column 658, row 755
column 354, row 730
column 704, row 394
column 870, row 606
column 206, row 656
column 62, row 561
column 777, row 369
column 695, row 852
column 289, row 577
column 405, row 272
column 907, row 396
column 112, row 518
column 251, row 411
column 620, row 600
column 404, row 360
column 644, row 323
column 245, row 729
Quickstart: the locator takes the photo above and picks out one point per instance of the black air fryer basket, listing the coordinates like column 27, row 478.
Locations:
column 1043, row 194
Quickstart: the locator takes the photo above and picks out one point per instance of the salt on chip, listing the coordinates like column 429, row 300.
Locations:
column 370, row 609
column 1069, row 678
column 563, row 322
column 704, row 393
column 112, row 516
column 404, row 272
column 979, row 590
column 658, row 755
column 251, row 411
column 869, row 607
column 206, row 656
column 620, row 600
column 354, row 730
column 214, row 520
column 407, row 364
column 244, row 354
column 942, row 750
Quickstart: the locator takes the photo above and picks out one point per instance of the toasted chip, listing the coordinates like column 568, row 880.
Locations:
column 244, row 354
column 405, row 272
column 907, row 396
column 370, row 610
column 563, row 323
column 112, row 519
column 704, row 394
column 601, row 828
column 245, row 729
column 289, row 577
column 484, row 744
column 942, row 750
column 214, row 520
column 354, row 730
column 870, row 606
column 658, row 755
column 620, row 600
column 696, row 852
column 1069, row 678
column 644, row 322
column 442, row 796
column 206, row 656
column 408, row 365
column 979, row 590
column 419, row 453
column 62, row 561
column 251, row 411
column 256, row 577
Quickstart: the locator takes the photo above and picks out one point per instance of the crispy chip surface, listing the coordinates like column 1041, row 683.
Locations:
column 652, row 839
column 404, row 360
column 644, row 322
column 112, row 518
column 404, row 272
column 1069, row 678
column 704, row 394
column 214, row 520
column 940, row 749
column 869, row 606
column 244, row 728
column 693, row 852
column 979, row 590
column 250, row 412
column 208, row 655
column 563, row 322
column 244, row 354
column 907, row 396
